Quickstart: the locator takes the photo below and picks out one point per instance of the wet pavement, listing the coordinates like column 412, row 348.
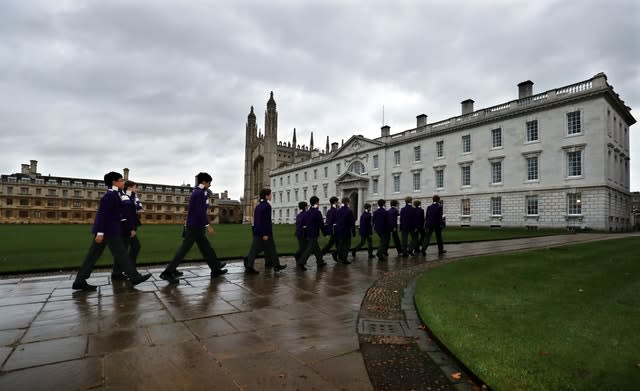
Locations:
column 291, row 330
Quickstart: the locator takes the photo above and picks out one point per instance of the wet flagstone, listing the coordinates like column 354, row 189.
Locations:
column 289, row 330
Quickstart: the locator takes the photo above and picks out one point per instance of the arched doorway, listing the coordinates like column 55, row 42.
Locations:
column 353, row 198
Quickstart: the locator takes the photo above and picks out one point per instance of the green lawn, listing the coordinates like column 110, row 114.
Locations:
column 52, row 247
column 556, row 319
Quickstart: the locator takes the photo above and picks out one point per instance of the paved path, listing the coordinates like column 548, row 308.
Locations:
column 292, row 330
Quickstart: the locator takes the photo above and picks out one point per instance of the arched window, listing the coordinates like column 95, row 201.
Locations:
column 357, row 167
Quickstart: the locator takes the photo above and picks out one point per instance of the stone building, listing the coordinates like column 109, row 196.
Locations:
column 29, row 197
column 559, row 158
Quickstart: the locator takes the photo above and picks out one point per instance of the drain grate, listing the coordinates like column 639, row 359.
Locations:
column 382, row 327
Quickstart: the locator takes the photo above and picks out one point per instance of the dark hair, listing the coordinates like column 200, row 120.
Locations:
column 203, row 177
column 333, row 200
column 346, row 200
column 417, row 203
column 408, row 199
column 381, row 203
column 367, row 206
column 436, row 198
column 394, row 203
column 302, row 205
column 264, row 192
column 314, row 200
column 129, row 183
column 110, row 177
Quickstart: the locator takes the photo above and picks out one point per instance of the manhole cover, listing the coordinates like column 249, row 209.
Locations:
column 382, row 327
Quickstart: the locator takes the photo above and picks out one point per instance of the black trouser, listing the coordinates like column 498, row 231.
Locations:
column 118, row 251
column 421, row 234
column 327, row 248
column 427, row 238
column 384, row 243
column 132, row 245
column 302, row 244
column 406, row 247
column 343, row 243
column 363, row 238
column 311, row 247
column 396, row 240
column 197, row 236
column 259, row 245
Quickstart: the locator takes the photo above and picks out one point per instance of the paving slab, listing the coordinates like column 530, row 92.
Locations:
column 288, row 330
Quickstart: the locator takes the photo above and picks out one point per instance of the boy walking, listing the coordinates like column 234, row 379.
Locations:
column 381, row 226
column 434, row 223
column 312, row 223
column 345, row 229
column 197, row 224
column 263, row 236
column 108, row 232
column 129, row 222
column 366, row 230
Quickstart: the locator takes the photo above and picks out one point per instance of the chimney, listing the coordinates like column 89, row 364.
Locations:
column 126, row 174
column 467, row 106
column 334, row 147
column 34, row 167
column 525, row 89
column 422, row 120
column 225, row 195
column 385, row 131
column 25, row 169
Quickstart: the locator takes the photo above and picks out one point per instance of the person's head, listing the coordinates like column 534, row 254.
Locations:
column 435, row 198
column 113, row 179
column 345, row 201
column 314, row 201
column 333, row 200
column 381, row 203
column 265, row 194
column 204, row 179
column 407, row 200
column 130, row 185
column 302, row 205
column 417, row 203
column 367, row 206
column 394, row 203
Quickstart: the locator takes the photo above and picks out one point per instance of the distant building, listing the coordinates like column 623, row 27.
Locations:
column 555, row 159
column 29, row 197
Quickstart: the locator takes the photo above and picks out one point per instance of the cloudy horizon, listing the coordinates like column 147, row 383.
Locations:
column 164, row 87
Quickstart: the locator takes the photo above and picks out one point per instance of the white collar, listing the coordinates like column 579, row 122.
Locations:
column 201, row 185
column 113, row 188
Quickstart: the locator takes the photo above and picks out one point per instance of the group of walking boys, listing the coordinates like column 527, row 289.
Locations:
column 340, row 226
column 117, row 221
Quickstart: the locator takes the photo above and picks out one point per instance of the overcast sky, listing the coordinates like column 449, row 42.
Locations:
column 164, row 87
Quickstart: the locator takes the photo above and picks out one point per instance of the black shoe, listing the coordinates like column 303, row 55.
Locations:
column 218, row 272
column 371, row 256
column 170, row 277
column 116, row 276
column 277, row 268
column 140, row 278
column 178, row 273
column 83, row 285
column 250, row 270
column 424, row 252
column 301, row 267
column 221, row 265
column 245, row 261
column 321, row 265
column 268, row 265
column 442, row 252
column 334, row 256
column 353, row 254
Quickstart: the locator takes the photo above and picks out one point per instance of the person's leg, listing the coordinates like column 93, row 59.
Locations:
column 396, row 241
column 439, row 240
column 208, row 253
column 369, row 245
column 134, row 249
column 358, row 247
column 427, row 239
column 95, row 251
column 414, row 247
column 271, row 253
column 405, row 242
column 187, row 243
column 315, row 249
column 119, row 252
column 306, row 253
column 254, row 250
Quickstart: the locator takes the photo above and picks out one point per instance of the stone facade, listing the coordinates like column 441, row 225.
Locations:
column 29, row 197
column 559, row 158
